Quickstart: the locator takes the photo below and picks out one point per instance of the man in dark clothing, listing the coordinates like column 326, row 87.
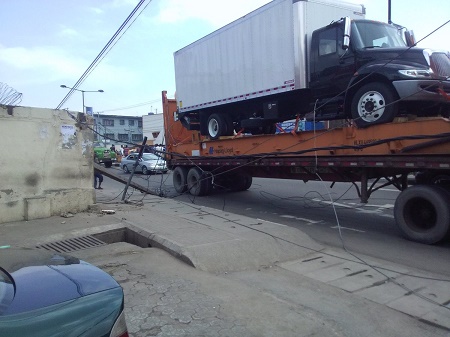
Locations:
column 98, row 177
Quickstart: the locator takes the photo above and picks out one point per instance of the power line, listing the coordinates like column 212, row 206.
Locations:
column 104, row 51
column 133, row 105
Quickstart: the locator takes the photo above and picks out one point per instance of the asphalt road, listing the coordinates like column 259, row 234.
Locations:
column 333, row 216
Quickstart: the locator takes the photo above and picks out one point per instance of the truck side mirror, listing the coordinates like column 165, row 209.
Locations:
column 347, row 28
column 410, row 38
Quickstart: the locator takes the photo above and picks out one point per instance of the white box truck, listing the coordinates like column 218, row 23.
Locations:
column 313, row 58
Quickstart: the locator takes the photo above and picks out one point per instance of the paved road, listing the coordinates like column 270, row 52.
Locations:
column 367, row 229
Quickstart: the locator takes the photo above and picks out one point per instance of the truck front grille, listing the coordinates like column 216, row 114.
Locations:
column 440, row 64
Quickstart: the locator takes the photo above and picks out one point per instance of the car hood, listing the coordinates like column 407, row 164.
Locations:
column 37, row 278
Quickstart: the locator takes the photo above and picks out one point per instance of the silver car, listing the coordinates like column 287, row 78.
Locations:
column 149, row 163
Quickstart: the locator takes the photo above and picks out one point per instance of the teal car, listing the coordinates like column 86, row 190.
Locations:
column 45, row 294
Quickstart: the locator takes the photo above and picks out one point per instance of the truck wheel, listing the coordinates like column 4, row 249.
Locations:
column 180, row 179
column 218, row 126
column 198, row 182
column 242, row 182
column 373, row 104
column 422, row 213
column 108, row 164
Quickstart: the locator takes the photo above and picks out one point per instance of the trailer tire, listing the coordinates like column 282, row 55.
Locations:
column 179, row 177
column 199, row 183
column 242, row 182
column 373, row 104
column 218, row 126
column 422, row 213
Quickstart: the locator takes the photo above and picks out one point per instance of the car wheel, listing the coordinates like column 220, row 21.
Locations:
column 125, row 169
column 145, row 170
column 373, row 104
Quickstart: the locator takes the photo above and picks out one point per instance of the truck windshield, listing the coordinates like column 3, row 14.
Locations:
column 371, row 34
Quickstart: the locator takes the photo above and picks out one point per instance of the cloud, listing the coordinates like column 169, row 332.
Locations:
column 35, row 65
column 96, row 10
column 217, row 13
column 68, row 32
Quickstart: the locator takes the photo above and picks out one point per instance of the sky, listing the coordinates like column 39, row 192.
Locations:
column 48, row 43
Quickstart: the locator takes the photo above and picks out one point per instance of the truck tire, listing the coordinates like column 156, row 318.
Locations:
column 218, row 126
column 373, row 104
column 108, row 164
column 179, row 177
column 242, row 182
column 422, row 213
column 198, row 182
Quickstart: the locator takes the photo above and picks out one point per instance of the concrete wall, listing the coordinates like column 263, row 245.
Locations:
column 46, row 165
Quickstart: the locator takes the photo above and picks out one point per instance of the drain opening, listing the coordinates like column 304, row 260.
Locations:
column 124, row 235
column 74, row 244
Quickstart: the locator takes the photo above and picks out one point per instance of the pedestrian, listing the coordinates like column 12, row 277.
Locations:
column 98, row 177
column 121, row 150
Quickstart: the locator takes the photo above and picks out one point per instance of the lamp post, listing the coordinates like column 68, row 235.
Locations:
column 82, row 92
column 82, row 95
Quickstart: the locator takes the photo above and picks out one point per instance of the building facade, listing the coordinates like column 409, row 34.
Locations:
column 153, row 128
column 118, row 130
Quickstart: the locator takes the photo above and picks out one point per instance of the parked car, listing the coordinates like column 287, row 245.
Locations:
column 149, row 163
column 45, row 294
column 103, row 155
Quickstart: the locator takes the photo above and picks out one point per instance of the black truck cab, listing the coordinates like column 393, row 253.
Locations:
column 374, row 75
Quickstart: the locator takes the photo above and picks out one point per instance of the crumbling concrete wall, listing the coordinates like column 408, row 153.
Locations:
column 46, row 165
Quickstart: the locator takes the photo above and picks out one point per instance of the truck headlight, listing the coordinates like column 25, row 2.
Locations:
column 416, row 73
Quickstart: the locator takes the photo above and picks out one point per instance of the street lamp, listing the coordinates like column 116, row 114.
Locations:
column 82, row 95
column 82, row 92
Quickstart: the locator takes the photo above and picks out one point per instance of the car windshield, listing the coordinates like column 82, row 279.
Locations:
column 371, row 34
column 150, row 156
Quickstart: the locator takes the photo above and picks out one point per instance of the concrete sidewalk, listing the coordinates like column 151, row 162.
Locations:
column 250, row 277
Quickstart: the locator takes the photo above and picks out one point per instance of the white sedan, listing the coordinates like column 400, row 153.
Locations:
column 149, row 163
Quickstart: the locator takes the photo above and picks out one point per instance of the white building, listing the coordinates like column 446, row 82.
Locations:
column 153, row 128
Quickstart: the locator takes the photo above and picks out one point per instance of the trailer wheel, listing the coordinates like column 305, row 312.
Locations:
column 199, row 183
column 422, row 213
column 242, row 182
column 218, row 126
column 373, row 104
column 179, row 177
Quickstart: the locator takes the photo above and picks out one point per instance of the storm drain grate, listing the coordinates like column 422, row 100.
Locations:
column 71, row 245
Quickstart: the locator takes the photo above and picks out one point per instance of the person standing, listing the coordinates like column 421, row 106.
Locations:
column 98, row 179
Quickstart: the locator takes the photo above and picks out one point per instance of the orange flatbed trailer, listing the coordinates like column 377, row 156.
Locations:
column 389, row 151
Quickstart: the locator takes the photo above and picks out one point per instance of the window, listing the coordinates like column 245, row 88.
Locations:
column 136, row 137
column 130, row 122
column 109, row 136
column 155, row 134
column 327, row 42
column 123, row 136
column 139, row 124
column 122, row 122
column 108, row 122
